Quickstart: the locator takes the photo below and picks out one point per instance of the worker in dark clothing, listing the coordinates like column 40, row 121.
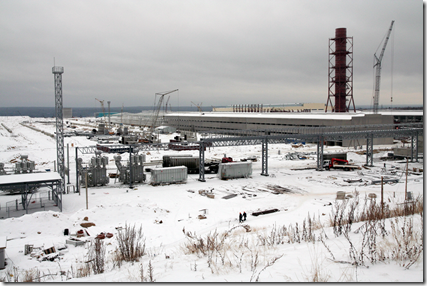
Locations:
column 240, row 217
column 244, row 216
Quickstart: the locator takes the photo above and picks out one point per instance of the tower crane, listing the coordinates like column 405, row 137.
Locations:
column 378, row 70
column 102, row 107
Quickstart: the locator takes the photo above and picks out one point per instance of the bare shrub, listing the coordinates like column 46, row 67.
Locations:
column 408, row 243
column 142, row 273
column 12, row 275
column 149, row 275
column 268, row 264
column 317, row 272
column 204, row 246
column 131, row 244
column 96, row 256
column 409, row 208
column 404, row 245
column 31, row 275
column 150, row 272
column 83, row 270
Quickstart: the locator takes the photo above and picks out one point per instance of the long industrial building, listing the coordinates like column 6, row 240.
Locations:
column 212, row 121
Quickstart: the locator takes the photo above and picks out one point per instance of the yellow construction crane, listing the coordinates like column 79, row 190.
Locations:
column 102, row 107
column 198, row 106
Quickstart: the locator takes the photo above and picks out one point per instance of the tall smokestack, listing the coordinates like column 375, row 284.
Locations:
column 340, row 80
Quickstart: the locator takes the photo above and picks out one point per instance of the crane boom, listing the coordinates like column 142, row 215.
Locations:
column 157, row 109
column 102, row 107
column 198, row 106
column 377, row 65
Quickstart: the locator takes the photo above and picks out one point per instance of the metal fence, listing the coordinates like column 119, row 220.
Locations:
column 15, row 208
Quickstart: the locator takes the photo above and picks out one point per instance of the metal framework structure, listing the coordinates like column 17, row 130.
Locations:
column 340, row 72
column 369, row 134
column 27, row 186
column 57, row 72
column 315, row 135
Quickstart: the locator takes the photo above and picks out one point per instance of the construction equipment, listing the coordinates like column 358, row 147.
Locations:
column 155, row 116
column 166, row 105
column 378, row 70
column 102, row 107
column 336, row 163
column 199, row 106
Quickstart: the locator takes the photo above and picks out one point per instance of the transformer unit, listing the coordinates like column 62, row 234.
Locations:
column 136, row 166
column 25, row 166
column 171, row 175
column 233, row 170
column 96, row 171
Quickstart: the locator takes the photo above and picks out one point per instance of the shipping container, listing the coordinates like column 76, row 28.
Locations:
column 166, row 158
column 234, row 170
column 192, row 163
column 169, row 175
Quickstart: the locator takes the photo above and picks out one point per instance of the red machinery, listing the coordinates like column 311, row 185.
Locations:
column 336, row 163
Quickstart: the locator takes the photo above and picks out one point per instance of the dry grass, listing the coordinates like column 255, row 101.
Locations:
column 131, row 244
column 31, row 275
column 404, row 243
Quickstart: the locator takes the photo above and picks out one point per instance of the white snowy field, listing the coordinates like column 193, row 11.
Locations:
column 245, row 255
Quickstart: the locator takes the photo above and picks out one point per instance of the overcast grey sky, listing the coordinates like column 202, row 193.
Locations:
column 215, row 52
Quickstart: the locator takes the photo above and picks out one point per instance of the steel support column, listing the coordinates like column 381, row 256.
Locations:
column 414, row 147
column 264, row 144
column 202, row 162
column 320, row 153
column 77, row 171
column 130, row 168
column 370, row 150
column 57, row 72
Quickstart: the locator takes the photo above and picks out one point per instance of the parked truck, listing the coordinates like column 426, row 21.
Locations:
column 336, row 163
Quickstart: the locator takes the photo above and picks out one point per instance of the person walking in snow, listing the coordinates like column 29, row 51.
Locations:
column 244, row 216
column 240, row 217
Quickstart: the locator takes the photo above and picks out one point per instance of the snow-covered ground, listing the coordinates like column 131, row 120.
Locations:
column 167, row 213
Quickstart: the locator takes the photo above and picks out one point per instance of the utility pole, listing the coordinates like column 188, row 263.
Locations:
column 382, row 196
column 87, row 204
column 406, row 181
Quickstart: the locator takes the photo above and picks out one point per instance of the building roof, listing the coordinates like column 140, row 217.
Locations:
column 17, row 179
column 284, row 115
column 296, row 115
